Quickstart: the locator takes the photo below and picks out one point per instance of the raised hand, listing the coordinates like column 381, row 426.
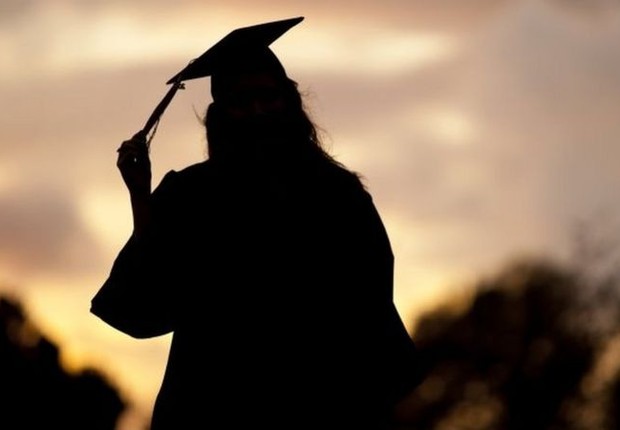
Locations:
column 135, row 165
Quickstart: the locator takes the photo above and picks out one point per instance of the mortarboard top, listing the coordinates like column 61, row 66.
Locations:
column 242, row 48
column 234, row 47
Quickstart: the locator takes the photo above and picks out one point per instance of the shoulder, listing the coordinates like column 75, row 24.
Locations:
column 176, row 185
column 188, row 173
column 186, row 176
column 343, row 190
column 340, row 178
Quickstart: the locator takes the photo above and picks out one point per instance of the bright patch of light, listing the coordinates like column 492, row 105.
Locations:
column 56, row 40
column 381, row 53
column 420, row 279
column 5, row 178
column 61, row 40
column 136, row 367
column 406, row 51
column 448, row 125
column 116, row 41
column 107, row 214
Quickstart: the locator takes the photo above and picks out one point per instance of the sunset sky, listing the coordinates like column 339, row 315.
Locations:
column 485, row 129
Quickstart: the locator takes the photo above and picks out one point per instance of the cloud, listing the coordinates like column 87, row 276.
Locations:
column 41, row 233
column 507, row 146
column 482, row 137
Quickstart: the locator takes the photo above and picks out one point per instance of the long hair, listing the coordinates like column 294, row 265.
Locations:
column 305, row 144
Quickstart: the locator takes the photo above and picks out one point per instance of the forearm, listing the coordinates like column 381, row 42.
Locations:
column 141, row 211
column 135, row 167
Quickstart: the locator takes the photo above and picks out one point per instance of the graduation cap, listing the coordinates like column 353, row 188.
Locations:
column 244, row 49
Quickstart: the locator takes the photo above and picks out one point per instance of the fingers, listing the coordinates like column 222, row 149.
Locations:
column 134, row 164
column 137, row 144
column 126, row 158
column 140, row 136
column 133, row 150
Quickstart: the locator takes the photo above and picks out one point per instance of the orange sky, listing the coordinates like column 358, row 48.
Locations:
column 486, row 130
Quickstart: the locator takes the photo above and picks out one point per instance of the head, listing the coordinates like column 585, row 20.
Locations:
column 258, row 113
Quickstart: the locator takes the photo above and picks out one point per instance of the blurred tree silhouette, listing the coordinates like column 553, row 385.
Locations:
column 38, row 392
column 538, row 348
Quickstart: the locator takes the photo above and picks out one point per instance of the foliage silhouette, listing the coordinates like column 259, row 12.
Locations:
column 38, row 392
column 534, row 351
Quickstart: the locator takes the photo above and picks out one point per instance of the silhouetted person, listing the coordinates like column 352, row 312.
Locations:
column 269, row 264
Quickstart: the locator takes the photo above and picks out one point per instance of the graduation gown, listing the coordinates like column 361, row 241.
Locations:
column 279, row 296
